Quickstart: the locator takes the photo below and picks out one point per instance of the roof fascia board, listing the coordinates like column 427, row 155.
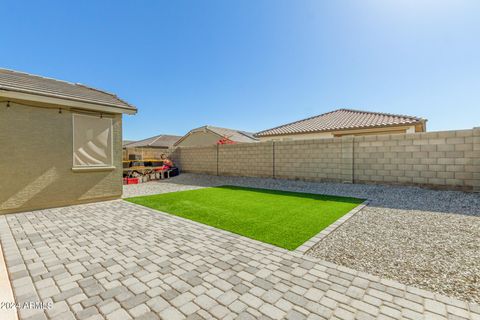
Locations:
column 354, row 130
column 64, row 102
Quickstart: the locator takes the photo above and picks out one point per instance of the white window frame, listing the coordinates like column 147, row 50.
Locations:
column 91, row 166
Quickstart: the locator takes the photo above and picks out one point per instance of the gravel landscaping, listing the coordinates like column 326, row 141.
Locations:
column 425, row 238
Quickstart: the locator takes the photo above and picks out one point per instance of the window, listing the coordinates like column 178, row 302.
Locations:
column 92, row 141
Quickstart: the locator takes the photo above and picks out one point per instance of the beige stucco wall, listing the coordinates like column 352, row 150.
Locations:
column 36, row 161
column 199, row 138
column 327, row 135
column 447, row 159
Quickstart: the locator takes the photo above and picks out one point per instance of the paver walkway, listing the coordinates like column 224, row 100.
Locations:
column 423, row 238
column 117, row 260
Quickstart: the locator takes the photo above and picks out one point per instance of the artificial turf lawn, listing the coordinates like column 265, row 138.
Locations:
column 285, row 219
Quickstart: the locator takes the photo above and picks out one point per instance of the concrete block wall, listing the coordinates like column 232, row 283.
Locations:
column 347, row 163
column 446, row 159
column 314, row 160
column 438, row 159
column 196, row 159
column 476, row 159
column 246, row 159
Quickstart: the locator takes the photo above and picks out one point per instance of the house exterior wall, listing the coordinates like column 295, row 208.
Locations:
column 446, row 159
column 37, row 158
column 199, row 138
column 332, row 134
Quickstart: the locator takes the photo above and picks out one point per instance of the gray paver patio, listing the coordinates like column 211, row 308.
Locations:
column 424, row 238
column 117, row 260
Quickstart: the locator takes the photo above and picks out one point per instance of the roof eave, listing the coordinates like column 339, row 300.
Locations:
column 63, row 101
column 341, row 129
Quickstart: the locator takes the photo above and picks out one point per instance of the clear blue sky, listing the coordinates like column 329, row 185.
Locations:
column 254, row 64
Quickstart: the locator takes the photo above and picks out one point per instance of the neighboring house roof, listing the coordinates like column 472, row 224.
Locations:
column 37, row 85
column 341, row 119
column 160, row 141
column 231, row 134
column 125, row 142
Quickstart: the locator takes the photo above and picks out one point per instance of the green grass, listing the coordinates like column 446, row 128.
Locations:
column 284, row 219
